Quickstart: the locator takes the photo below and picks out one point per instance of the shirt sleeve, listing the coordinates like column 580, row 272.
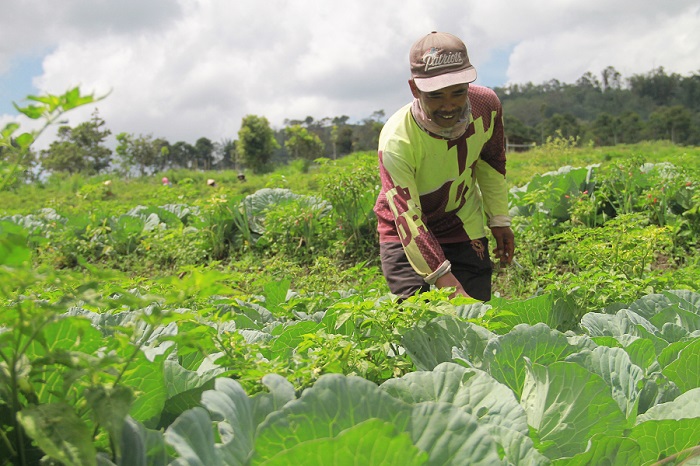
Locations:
column 422, row 248
column 491, row 167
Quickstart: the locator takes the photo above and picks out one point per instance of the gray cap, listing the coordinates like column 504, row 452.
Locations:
column 440, row 60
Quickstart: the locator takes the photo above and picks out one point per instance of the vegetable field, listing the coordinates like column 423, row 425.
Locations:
column 248, row 324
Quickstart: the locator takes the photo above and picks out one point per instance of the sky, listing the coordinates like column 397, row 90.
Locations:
column 185, row 69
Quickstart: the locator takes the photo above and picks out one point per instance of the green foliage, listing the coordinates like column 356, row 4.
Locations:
column 302, row 144
column 609, row 111
column 79, row 149
column 301, row 228
column 256, row 143
column 352, row 187
column 48, row 108
column 142, row 151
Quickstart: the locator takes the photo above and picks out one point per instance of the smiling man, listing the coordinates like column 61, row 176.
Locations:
column 442, row 163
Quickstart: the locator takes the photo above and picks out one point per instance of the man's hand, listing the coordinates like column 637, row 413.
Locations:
column 449, row 280
column 505, row 244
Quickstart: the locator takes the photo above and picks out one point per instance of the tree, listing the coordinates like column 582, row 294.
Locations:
column 605, row 129
column 79, row 149
column 342, row 139
column 303, row 144
column 612, row 79
column 560, row 125
column 256, row 143
column 517, row 132
column 226, row 154
column 367, row 134
column 671, row 123
column 182, row 154
column 631, row 127
column 204, row 153
column 142, row 151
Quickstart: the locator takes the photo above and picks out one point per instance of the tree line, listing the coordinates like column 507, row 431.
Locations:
column 259, row 147
column 604, row 110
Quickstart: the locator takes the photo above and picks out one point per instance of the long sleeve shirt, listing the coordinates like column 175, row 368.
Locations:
column 436, row 191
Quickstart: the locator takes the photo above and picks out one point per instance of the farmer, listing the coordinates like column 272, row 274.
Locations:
column 443, row 170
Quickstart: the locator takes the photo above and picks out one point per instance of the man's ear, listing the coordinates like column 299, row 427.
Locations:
column 414, row 89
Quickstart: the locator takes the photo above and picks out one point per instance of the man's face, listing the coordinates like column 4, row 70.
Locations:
column 444, row 106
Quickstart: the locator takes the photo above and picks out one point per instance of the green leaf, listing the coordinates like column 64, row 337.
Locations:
column 451, row 436
column 613, row 365
column 147, row 380
column 567, row 405
column 110, row 407
column 14, row 251
column 275, row 294
column 657, row 389
column 642, row 353
column 192, row 437
column 433, row 344
column 60, row 433
column 504, row 357
column 477, row 394
column 336, row 403
column 684, row 370
column 25, row 140
column 333, row 404
column 179, row 380
column 622, row 325
column 280, row 392
column 229, row 403
column 286, row 342
column 31, row 111
column 141, row 446
column 530, row 311
column 660, row 439
column 371, row 442
column 687, row 405
column 67, row 345
column 7, row 131
column 605, row 450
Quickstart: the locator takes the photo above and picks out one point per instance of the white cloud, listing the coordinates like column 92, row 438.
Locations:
column 191, row 68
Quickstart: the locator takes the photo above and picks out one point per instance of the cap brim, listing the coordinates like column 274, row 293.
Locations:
column 445, row 80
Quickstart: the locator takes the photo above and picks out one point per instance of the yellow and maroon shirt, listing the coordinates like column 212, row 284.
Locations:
column 440, row 191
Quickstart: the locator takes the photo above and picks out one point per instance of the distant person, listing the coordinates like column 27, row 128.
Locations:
column 442, row 164
column 241, row 177
column 211, row 182
column 165, row 181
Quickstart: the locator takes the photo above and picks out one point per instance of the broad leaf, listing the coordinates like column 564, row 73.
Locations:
column 614, row 366
column 193, row 438
column 660, row 439
column 605, row 450
column 60, row 433
column 686, row 405
column 280, row 392
column 623, row 324
column 530, row 311
column 230, row 404
column 504, row 356
column 110, row 407
column 371, row 442
column 684, row 370
column 478, row 394
column 14, row 251
column 567, row 405
column 147, row 381
column 432, row 344
column 451, row 436
column 333, row 404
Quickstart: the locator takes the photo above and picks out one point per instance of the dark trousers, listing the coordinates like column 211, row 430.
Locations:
column 470, row 260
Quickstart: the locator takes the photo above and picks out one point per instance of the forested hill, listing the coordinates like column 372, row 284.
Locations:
column 606, row 109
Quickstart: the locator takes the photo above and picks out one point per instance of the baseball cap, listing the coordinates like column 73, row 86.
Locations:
column 439, row 60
